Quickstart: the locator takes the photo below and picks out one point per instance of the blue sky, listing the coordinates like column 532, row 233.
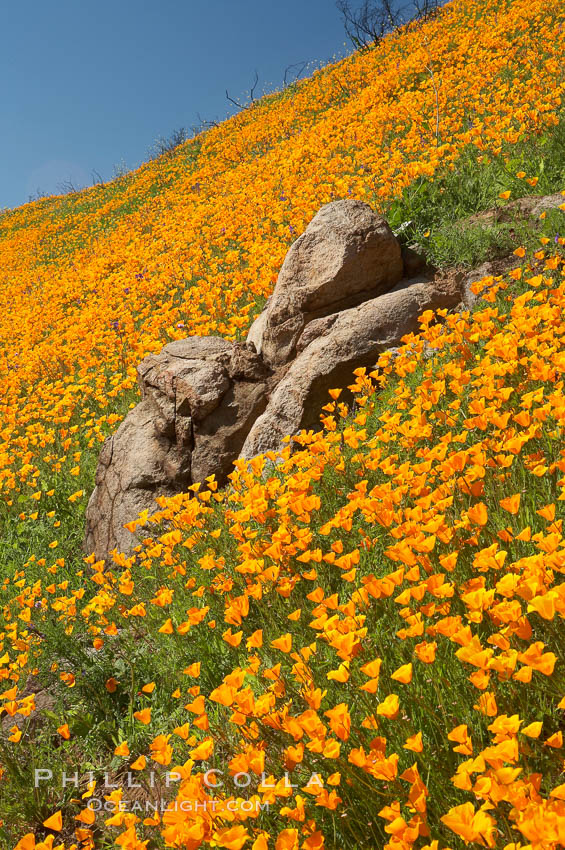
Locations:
column 90, row 85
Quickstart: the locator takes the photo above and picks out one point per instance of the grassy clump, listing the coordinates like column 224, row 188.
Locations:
column 440, row 215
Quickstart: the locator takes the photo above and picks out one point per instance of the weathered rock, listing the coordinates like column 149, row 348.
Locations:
column 520, row 209
column 549, row 202
column 354, row 339
column 136, row 464
column 219, row 439
column 316, row 328
column 346, row 255
column 339, row 301
column 200, row 397
column 257, row 329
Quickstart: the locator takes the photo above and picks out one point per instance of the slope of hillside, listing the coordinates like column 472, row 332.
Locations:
column 92, row 282
column 367, row 634
column 361, row 648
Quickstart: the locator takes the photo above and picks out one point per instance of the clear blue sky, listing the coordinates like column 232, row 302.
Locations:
column 90, row 84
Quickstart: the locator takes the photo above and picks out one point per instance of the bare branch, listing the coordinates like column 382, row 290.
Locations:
column 205, row 123
column 67, row 187
column 253, row 87
column 368, row 24
column 296, row 74
column 164, row 146
column 39, row 194
column 426, row 8
column 251, row 100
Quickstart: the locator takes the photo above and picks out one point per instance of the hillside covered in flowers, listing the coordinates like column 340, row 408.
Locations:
column 359, row 643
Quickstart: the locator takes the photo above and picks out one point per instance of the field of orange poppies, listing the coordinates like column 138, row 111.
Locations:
column 359, row 645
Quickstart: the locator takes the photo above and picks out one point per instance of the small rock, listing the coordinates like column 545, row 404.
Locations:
column 549, row 202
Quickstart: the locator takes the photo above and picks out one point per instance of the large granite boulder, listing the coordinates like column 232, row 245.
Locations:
column 340, row 300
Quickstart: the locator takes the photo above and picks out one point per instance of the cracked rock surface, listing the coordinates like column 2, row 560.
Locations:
column 200, row 397
column 352, row 339
column 347, row 255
